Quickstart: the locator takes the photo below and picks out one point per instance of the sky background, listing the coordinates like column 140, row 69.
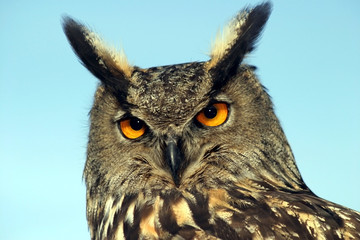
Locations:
column 308, row 58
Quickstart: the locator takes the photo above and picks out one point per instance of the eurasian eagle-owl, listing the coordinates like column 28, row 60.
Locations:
column 194, row 150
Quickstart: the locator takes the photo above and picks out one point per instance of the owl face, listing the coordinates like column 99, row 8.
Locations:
column 173, row 129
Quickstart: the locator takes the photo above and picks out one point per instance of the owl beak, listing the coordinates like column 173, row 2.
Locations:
column 173, row 158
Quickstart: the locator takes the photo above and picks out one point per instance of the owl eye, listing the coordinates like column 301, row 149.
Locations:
column 213, row 115
column 132, row 127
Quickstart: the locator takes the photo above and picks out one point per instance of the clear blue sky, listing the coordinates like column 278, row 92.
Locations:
column 308, row 58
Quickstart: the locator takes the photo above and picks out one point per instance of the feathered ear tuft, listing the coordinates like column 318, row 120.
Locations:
column 237, row 39
column 108, row 65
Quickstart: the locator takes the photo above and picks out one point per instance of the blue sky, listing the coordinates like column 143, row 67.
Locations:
column 308, row 58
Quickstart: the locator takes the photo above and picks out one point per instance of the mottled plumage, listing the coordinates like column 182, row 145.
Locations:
column 156, row 169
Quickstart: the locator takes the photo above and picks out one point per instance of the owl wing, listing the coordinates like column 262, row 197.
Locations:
column 292, row 215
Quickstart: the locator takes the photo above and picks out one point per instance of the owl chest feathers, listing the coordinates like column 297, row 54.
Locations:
column 236, row 213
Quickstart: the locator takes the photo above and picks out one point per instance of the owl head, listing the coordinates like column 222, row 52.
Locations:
column 183, row 127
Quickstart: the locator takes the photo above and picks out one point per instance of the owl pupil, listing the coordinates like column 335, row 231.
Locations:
column 210, row 112
column 136, row 124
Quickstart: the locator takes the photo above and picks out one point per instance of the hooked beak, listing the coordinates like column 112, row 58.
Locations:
column 173, row 158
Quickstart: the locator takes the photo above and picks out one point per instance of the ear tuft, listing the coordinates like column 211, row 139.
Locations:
column 226, row 38
column 237, row 39
column 103, row 61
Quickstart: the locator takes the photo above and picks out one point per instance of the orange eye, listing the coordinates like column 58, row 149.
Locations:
column 213, row 115
column 132, row 128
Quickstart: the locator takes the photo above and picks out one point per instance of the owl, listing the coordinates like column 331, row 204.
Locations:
column 194, row 150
